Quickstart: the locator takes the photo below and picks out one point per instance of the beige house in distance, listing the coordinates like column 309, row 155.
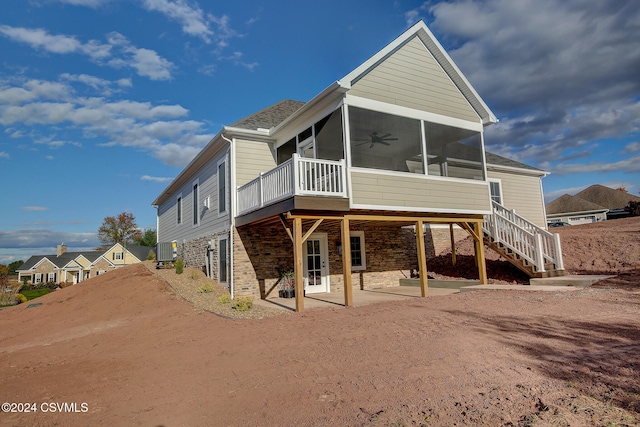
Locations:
column 74, row 267
column 349, row 189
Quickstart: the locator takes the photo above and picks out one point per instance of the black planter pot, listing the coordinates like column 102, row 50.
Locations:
column 287, row 293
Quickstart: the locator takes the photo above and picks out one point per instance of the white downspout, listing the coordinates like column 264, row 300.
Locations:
column 232, row 209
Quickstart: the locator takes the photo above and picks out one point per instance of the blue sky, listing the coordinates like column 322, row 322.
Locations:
column 102, row 102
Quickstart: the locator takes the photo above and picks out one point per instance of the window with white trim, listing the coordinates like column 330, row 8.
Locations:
column 358, row 255
column 118, row 256
column 51, row 277
column 196, row 203
column 37, row 278
column 179, row 209
column 496, row 190
column 222, row 187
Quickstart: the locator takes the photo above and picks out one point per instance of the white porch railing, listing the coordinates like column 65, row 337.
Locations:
column 297, row 176
column 533, row 243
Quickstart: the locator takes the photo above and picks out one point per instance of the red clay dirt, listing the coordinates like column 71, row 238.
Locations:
column 133, row 353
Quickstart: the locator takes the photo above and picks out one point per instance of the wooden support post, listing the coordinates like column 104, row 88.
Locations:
column 479, row 245
column 297, row 263
column 453, row 245
column 422, row 259
column 346, row 263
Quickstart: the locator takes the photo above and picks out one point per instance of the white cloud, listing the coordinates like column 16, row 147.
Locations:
column 88, row 3
column 632, row 147
column 191, row 17
column 162, row 130
column 629, row 165
column 34, row 208
column 38, row 238
column 4, row 155
column 118, row 53
column 557, row 73
column 155, row 178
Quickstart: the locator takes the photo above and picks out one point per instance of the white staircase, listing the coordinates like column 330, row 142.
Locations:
column 529, row 247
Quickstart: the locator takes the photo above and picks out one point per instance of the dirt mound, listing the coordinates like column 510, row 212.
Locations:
column 608, row 247
column 123, row 349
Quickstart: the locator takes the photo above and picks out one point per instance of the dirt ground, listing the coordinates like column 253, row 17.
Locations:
column 124, row 349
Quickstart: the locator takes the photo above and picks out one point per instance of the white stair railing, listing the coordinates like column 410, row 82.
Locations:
column 531, row 242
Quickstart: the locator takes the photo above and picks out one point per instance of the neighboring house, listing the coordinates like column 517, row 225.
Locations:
column 594, row 203
column 74, row 267
column 341, row 189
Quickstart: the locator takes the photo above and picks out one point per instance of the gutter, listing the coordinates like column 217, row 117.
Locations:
column 232, row 208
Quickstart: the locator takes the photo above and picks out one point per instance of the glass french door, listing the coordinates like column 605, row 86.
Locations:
column 316, row 268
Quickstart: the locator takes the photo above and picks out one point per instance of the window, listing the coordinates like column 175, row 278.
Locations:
column 179, row 209
column 358, row 257
column 51, row 278
column 384, row 141
column 496, row 191
column 37, row 278
column 118, row 256
column 328, row 132
column 222, row 260
column 196, row 203
column 222, row 188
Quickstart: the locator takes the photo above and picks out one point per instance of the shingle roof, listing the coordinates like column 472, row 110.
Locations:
column 494, row 159
column 270, row 116
column 607, row 197
column 569, row 204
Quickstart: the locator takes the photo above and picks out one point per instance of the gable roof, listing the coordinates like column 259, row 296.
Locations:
column 65, row 259
column 496, row 160
column 572, row 204
column 434, row 47
column 607, row 197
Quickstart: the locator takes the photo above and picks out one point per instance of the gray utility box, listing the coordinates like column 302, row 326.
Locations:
column 166, row 251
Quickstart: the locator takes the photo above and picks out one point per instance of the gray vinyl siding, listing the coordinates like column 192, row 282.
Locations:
column 419, row 192
column 252, row 157
column 210, row 221
column 412, row 78
column 522, row 193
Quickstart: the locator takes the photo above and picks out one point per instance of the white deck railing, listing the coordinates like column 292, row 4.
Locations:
column 533, row 243
column 297, row 176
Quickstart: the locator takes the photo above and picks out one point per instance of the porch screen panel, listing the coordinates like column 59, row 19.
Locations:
column 453, row 152
column 384, row 141
column 286, row 150
column 329, row 144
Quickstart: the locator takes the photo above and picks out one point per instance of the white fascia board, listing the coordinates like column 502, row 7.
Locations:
column 398, row 110
column 261, row 134
column 335, row 87
column 522, row 171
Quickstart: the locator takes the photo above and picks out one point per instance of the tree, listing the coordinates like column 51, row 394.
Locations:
column 12, row 267
column 120, row 229
column 149, row 238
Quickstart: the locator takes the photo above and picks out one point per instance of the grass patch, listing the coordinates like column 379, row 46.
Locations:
column 35, row 293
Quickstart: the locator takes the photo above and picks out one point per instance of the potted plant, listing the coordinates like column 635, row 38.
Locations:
column 287, row 286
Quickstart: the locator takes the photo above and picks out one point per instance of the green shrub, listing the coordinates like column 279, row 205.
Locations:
column 224, row 299
column 243, row 303
column 151, row 255
column 179, row 266
column 20, row 298
column 206, row 288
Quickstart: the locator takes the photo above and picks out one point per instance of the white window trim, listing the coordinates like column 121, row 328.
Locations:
column 223, row 238
column 226, row 186
column 51, row 277
column 37, row 278
column 363, row 251
column 179, row 209
column 499, row 181
column 195, row 202
column 118, row 256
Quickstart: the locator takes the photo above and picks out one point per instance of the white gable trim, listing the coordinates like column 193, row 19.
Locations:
column 441, row 56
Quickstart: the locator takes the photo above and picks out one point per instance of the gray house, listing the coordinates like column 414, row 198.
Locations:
column 341, row 189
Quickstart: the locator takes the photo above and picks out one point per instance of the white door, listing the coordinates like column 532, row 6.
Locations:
column 316, row 264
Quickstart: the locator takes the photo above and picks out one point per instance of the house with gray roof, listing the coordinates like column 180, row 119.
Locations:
column 594, row 203
column 350, row 188
column 74, row 267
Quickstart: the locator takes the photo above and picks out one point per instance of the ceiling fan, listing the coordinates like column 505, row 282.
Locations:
column 377, row 139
